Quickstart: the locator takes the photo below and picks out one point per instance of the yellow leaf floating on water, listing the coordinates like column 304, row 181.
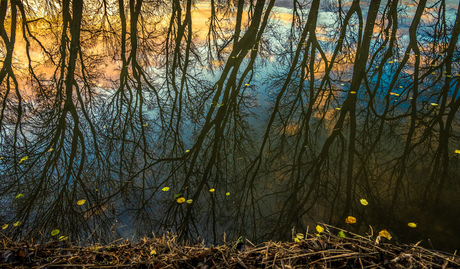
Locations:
column 385, row 233
column 19, row 196
column 363, row 202
column 412, row 225
column 350, row 220
column 165, row 189
column 54, row 232
column 81, row 202
column 212, row 190
column 319, row 229
column 23, row 159
column 228, row 193
column 180, row 200
column 17, row 223
column 4, row 226
column 189, row 201
column 457, row 151
column 63, row 237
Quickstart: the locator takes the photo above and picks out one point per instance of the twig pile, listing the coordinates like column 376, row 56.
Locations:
column 324, row 251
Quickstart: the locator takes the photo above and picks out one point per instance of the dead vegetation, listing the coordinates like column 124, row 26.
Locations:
column 325, row 250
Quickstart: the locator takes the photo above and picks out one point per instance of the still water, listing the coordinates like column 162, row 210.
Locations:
column 123, row 118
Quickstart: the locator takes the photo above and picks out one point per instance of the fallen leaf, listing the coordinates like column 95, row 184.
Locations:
column 54, row 232
column 385, row 233
column 189, row 201
column 352, row 92
column 434, row 104
column 363, row 202
column 228, row 193
column 165, row 189
column 17, row 223
column 63, row 237
column 412, row 225
column 81, row 202
column 212, row 190
column 319, row 229
column 342, row 234
column 350, row 220
column 180, row 200
column 23, row 159
column 300, row 236
column 51, row 149
column 4, row 226
column 457, row 151
column 19, row 196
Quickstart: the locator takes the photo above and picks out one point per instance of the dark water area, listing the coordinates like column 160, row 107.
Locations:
column 124, row 118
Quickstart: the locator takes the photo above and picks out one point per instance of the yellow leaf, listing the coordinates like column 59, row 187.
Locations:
column 352, row 92
column 1, row 158
column 363, row 202
column 63, row 237
column 400, row 87
column 19, row 196
column 165, row 189
column 434, row 104
column 296, row 239
column 350, row 220
column 212, row 190
column 17, row 223
column 153, row 252
column 187, row 151
column 390, row 62
column 4, row 226
column 189, row 201
column 433, row 73
column 81, row 202
column 385, row 234
column 457, row 151
column 180, row 200
column 338, row 108
column 23, row 159
column 145, row 125
column 228, row 193
column 319, row 229
column 300, row 236
column 51, row 149
column 54, row 232
column 412, row 225
column 342, row 84
column 247, row 84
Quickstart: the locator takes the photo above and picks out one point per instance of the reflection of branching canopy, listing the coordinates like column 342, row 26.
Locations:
column 111, row 101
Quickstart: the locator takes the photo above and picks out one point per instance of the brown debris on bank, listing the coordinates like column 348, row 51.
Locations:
column 324, row 251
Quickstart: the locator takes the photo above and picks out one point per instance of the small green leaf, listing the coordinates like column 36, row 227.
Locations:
column 19, row 196
column 342, row 234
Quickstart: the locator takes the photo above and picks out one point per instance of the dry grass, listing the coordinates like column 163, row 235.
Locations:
column 325, row 251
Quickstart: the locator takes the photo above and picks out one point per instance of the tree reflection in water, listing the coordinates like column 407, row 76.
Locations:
column 291, row 114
